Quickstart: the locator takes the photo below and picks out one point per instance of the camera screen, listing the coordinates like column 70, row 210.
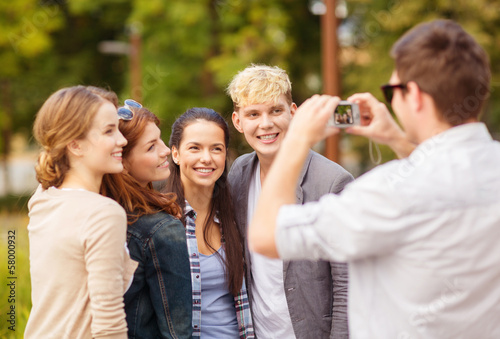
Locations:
column 343, row 115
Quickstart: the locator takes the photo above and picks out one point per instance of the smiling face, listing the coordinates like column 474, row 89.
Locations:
column 265, row 125
column 101, row 149
column 147, row 161
column 201, row 155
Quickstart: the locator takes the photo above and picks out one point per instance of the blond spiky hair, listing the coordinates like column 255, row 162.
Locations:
column 259, row 84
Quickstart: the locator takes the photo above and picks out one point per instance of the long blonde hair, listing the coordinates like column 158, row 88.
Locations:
column 65, row 116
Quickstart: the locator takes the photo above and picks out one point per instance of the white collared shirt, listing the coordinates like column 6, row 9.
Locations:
column 422, row 238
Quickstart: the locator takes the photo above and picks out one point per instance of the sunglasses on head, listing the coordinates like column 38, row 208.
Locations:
column 126, row 112
column 388, row 91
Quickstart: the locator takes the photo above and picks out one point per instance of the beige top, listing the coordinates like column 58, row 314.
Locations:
column 79, row 264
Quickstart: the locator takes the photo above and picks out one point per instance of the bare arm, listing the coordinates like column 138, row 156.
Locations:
column 308, row 127
column 378, row 125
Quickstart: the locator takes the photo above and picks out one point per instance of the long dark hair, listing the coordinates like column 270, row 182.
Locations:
column 221, row 204
column 124, row 188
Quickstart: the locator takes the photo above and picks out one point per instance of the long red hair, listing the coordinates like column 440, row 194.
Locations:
column 137, row 200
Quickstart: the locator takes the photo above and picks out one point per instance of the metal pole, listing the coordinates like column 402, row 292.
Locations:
column 331, row 78
column 135, row 64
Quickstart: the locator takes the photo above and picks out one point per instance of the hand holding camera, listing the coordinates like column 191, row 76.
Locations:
column 377, row 124
column 309, row 123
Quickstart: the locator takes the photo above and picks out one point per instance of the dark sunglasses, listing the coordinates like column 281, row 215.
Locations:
column 126, row 112
column 388, row 91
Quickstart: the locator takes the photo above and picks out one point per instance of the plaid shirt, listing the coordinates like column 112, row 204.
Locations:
column 241, row 303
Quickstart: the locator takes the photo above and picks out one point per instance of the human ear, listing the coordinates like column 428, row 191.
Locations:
column 175, row 155
column 293, row 108
column 415, row 95
column 75, row 148
column 236, row 121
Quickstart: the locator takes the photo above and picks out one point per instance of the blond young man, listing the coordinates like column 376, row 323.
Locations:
column 289, row 299
column 420, row 234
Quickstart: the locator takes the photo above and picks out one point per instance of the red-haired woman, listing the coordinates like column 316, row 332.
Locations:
column 158, row 304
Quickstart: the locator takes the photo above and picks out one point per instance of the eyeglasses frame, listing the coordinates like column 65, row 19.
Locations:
column 388, row 91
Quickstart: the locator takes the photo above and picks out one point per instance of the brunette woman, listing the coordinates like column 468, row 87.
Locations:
column 158, row 304
column 199, row 142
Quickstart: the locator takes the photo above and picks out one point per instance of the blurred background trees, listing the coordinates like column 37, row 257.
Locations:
column 190, row 49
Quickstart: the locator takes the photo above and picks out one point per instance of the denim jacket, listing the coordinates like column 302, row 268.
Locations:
column 158, row 303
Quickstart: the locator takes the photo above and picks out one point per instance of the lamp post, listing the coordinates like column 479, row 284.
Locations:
column 329, row 59
column 133, row 50
column 135, row 63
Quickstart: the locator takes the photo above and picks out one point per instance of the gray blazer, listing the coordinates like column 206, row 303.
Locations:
column 316, row 292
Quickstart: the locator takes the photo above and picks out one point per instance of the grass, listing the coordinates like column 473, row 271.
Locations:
column 9, row 223
column 14, row 204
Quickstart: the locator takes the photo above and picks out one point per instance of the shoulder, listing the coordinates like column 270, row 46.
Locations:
column 325, row 169
column 35, row 197
column 243, row 160
column 323, row 175
column 155, row 225
column 240, row 165
column 83, row 204
column 320, row 164
column 103, row 212
column 103, row 205
column 95, row 218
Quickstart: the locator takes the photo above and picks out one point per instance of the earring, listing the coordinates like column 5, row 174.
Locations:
column 176, row 161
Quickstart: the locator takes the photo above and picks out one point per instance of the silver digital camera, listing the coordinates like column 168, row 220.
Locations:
column 346, row 114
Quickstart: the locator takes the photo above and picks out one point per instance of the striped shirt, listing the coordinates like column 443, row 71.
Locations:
column 241, row 303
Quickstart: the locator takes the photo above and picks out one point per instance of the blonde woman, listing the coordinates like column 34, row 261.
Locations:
column 79, row 264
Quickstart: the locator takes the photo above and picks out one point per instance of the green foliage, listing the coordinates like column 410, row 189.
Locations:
column 192, row 48
column 14, row 223
column 47, row 45
column 26, row 28
column 14, row 204
column 377, row 25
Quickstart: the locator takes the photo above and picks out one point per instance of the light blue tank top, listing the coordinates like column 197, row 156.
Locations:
column 218, row 314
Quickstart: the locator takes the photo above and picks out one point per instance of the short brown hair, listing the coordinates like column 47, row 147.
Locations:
column 448, row 64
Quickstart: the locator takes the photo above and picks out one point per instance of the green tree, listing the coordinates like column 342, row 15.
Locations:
column 25, row 35
column 374, row 26
column 192, row 49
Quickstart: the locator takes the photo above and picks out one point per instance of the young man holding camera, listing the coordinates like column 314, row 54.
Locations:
column 289, row 299
column 421, row 233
